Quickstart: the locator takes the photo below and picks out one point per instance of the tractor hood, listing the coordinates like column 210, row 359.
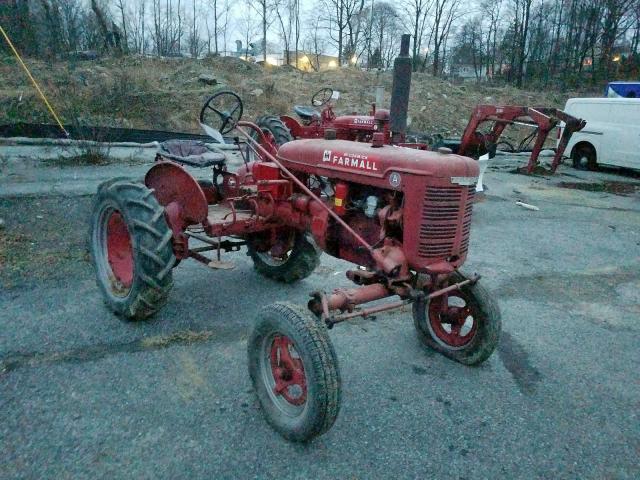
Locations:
column 354, row 122
column 352, row 160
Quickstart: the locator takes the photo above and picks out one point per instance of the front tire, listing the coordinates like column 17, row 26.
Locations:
column 131, row 249
column 294, row 371
column 467, row 330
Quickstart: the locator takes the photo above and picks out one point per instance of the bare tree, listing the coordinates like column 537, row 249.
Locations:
column 262, row 8
column 383, row 24
column 342, row 24
column 137, row 30
column 248, row 26
column 444, row 14
column 417, row 13
column 287, row 13
column 111, row 34
column 469, row 48
column 195, row 43
column 123, row 24
column 490, row 12
column 314, row 44
column 617, row 20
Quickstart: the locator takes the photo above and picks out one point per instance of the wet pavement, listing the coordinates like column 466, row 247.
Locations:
column 86, row 395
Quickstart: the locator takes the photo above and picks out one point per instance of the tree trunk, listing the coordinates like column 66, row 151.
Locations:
column 264, row 31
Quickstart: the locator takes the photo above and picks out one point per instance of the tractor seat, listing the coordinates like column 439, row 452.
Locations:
column 192, row 152
column 306, row 113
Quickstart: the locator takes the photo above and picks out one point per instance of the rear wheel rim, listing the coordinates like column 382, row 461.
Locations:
column 283, row 374
column 281, row 249
column 454, row 324
column 115, row 260
column 272, row 260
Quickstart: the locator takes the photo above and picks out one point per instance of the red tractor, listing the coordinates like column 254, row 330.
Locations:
column 403, row 216
column 314, row 123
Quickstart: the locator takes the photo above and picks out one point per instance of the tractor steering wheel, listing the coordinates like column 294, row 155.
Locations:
column 322, row 97
column 222, row 111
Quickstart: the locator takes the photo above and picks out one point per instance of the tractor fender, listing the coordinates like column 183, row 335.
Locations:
column 178, row 192
column 296, row 129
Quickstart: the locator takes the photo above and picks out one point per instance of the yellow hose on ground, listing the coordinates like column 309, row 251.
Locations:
column 33, row 80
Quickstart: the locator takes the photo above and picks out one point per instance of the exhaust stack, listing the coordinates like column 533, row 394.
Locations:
column 402, row 67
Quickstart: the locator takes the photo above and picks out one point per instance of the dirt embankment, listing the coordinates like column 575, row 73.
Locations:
column 167, row 93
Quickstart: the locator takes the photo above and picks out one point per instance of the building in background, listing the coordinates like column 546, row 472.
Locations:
column 311, row 62
column 468, row 73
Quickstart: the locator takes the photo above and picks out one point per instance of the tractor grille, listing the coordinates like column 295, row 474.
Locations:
column 445, row 222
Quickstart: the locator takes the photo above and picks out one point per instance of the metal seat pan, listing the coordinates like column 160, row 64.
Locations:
column 192, row 152
column 306, row 113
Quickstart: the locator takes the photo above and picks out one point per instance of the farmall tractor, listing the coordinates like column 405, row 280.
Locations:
column 401, row 215
column 314, row 124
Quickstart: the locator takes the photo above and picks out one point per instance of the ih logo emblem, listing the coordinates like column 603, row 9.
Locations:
column 326, row 156
column 395, row 180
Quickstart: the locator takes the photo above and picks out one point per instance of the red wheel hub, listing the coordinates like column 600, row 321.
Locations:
column 119, row 250
column 288, row 371
column 454, row 325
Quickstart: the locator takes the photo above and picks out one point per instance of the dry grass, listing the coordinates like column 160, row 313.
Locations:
column 41, row 238
column 183, row 337
column 165, row 93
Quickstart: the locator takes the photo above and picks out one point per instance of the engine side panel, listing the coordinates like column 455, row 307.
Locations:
column 362, row 163
column 437, row 190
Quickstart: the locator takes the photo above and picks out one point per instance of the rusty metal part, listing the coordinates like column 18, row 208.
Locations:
column 226, row 245
column 172, row 183
column 542, row 118
column 287, row 371
column 299, row 183
column 343, row 299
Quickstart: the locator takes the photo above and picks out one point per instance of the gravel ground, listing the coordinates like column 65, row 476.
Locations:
column 86, row 395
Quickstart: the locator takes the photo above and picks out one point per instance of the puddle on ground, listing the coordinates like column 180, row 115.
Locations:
column 516, row 360
column 607, row 186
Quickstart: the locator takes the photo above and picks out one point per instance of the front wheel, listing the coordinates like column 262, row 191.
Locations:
column 294, row 371
column 464, row 325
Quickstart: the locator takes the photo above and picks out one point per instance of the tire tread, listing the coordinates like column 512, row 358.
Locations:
column 153, row 251
column 317, row 345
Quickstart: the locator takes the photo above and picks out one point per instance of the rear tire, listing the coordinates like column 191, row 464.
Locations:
column 584, row 158
column 301, row 261
column 131, row 249
column 478, row 335
column 275, row 127
column 294, row 370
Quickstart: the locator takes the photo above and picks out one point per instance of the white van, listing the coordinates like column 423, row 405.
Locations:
column 612, row 133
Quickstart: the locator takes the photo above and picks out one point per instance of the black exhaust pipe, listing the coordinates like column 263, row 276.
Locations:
column 402, row 67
